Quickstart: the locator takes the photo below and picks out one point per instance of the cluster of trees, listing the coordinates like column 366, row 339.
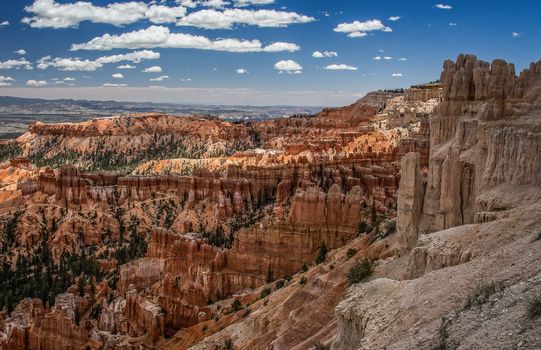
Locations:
column 135, row 248
column 10, row 150
column 218, row 238
column 165, row 213
column 29, row 270
column 36, row 274
column 107, row 158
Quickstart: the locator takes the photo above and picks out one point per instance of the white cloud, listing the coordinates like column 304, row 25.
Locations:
column 452, row 24
column 212, row 19
column 186, row 80
column 153, row 69
column 516, row 35
column 288, row 66
column 160, row 78
column 51, row 14
column 4, row 23
column 69, row 79
column 218, row 4
column 36, row 83
column 241, row 71
column 319, row 54
column 6, row 81
column 77, row 64
column 402, row 59
column 118, row 76
column 159, row 36
column 443, row 6
column 164, row 14
column 358, row 29
column 394, row 18
column 187, row 3
column 388, row 58
column 340, row 67
column 280, row 47
column 357, row 34
column 17, row 64
column 135, row 57
column 242, row 3
column 114, row 85
column 20, row 52
column 68, row 64
column 125, row 66
column 397, row 74
column 377, row 58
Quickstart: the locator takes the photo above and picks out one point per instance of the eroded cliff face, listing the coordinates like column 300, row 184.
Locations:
column 484, row 135
column 468, row 233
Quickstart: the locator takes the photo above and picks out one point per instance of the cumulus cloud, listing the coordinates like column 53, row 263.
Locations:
column 125, row 66
column 443, row 6
column 20, row 52
column 377, row 58
column 359, row 29
column 114, row 85
column 397, row 74
column 36, row 83
column 452, row 24
column 4, row 23
column 241, row 71
column 160, row 78
column 212, row 19
column 6, row 81
column 118, row 76
column 402, row 59
column 515, row 34
column 219, row 4
column 340, row 67
column 319, row 54
column 16, row 64
column 288, row 66
column 51, row 14
column 357, row 34
column 388, row 58
column 394, row 18
column 161, row 37
column 77, row 64
column 69, row 79
column 135, row 57
column 153, row 69
column 242, row 3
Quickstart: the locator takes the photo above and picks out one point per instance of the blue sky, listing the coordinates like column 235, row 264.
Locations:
column 253, row 52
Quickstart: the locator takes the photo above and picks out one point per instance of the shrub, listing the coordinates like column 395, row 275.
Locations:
column 280, row 284
column 351, row 252
column 265, row 292
column 304, row 267
column 228, row 344
column 320, row 346
column 360, row 271
column 481, row 293
column 534, row 306
column 322, row 254
column 246, row 312
column 236, row 306
column 288, row 278
column 303, row 280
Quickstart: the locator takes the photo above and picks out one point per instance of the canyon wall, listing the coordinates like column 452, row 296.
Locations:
column 472, row 221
